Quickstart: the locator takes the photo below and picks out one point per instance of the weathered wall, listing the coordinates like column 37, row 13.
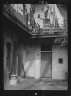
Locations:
column 38, row 61
column 59, row 71
column 31, row 60
column 7, row 38
column 7, row 33
column 5, row 54
column 29, row 56
column 21, row 60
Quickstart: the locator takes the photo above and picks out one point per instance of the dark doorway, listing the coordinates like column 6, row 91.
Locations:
column 15, row 59
column 8, row 57
column 46, row 61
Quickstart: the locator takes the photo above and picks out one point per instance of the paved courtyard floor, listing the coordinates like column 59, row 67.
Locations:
column 42, row 84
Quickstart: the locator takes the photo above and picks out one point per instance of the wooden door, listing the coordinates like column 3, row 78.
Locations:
column 46, row 59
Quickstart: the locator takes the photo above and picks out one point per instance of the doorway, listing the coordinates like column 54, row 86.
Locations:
column 8, row 57
column 46, row 61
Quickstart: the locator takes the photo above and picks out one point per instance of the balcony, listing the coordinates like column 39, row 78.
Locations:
column 50, row 30
column 19, row 18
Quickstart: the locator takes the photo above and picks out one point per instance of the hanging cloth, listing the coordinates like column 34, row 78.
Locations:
column 50, row 13
column 59, row 17
column 28, row 7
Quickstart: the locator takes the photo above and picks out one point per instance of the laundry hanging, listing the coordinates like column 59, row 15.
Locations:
column 50, row 13
column 28, row 7
column 59, row 16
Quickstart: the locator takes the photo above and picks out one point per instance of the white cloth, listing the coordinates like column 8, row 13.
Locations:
column 59, row 16
column 51, row 13
column 14, row 6
column 37, row 20
column 28, row 7
column 45, row 8
column 20, row 8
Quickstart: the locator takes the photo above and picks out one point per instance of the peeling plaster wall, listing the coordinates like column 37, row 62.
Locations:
column 21, row 60
column 31, row 61
column 38, row 62
column 7, row 33
column 7, row 38
column 59, row 71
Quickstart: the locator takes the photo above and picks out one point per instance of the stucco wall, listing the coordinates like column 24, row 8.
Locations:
column 7, row 38
column 21, row 58
column 38, row 61
column 59, row 71
column 7, row 33
column 31, row 60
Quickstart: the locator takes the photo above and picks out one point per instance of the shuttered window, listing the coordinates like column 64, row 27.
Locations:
column 60, row 60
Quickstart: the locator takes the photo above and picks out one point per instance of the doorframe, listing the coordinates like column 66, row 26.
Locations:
column 10, row 62
column 51, row 59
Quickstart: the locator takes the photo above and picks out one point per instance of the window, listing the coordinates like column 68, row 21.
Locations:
column 60, row 60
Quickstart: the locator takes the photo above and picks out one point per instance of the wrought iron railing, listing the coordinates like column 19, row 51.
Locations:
column 52, row 30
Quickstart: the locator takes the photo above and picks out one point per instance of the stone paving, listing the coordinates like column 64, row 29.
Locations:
column 43, row 84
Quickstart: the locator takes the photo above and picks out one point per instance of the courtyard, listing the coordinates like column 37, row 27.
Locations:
column 41, row 84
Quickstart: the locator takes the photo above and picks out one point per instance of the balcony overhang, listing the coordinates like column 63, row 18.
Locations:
column 49, row 33
column 16, row 21
column 44, row 36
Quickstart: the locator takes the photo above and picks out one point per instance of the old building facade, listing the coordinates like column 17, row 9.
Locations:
column 27, row 54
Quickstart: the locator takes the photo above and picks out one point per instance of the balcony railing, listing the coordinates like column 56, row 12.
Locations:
column 51, row 30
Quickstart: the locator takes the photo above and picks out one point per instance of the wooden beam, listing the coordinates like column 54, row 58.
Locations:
column 46, row 36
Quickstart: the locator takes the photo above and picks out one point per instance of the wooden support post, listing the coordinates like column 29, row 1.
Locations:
column 17, row 65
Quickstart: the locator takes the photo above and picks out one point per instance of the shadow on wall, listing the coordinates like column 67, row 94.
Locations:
column 46, row 71
column 29, row 66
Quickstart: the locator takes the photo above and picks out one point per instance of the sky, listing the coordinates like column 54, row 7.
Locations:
column 38, row 10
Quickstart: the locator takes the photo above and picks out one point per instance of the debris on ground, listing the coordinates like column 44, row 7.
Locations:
column 31, row 84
